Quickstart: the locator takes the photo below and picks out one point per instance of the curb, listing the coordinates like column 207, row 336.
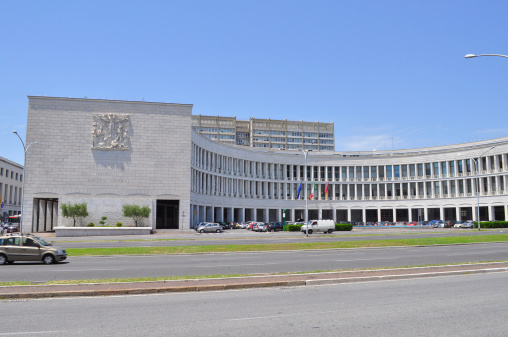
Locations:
column 262, row 281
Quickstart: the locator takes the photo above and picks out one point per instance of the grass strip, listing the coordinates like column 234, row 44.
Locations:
column 286, row 246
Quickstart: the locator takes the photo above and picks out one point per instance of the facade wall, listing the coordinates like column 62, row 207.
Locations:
column 11, row 186
column 163, row 161
column 64, row 167
column 407, row 185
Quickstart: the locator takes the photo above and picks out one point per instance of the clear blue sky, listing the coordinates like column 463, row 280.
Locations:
column 390, row 74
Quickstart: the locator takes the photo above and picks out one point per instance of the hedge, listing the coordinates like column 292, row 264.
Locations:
column 343, row 227
column 492, row 224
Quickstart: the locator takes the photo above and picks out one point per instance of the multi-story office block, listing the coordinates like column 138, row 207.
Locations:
column 11, row 185
column 267, row 133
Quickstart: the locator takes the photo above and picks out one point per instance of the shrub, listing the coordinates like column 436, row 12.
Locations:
column 118, row 224
column 492, row 224
column 91, row 224
column 343, row 227
column 293, row 228
column 74, row 211
column 136, row 212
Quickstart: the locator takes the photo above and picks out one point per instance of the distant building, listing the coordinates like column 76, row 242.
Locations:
column 267, row 133
column 11, row 184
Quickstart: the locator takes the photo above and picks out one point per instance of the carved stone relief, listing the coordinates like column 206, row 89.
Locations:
column 110, row 132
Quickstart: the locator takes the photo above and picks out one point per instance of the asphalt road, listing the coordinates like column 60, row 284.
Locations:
column 241, row 236
column 469, row 305
column 78, row 268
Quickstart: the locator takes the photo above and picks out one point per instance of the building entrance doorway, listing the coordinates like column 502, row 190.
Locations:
column 167, row 214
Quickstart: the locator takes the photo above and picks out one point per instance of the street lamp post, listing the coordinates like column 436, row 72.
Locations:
column 305, row 153
column 470, row 56
column 25, row 148
column 478, row 186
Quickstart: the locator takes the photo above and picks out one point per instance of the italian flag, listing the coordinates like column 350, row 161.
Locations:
column 326, row 189
column 312, row 191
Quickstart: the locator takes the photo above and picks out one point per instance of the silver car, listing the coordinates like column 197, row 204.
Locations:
column 467, row 224
column 210, row 228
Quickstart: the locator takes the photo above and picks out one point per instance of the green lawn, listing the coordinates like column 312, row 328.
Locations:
column 286, row 246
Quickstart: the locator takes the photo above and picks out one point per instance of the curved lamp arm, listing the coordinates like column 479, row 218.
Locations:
column 470, row 56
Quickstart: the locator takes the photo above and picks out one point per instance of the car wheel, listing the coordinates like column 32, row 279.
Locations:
column 330, row 231
column 202, row 231
column 310, row 231
column 48, row 259
column 218, row 230
column 3, row 259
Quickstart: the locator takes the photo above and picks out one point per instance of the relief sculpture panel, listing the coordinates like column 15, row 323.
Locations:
column 110, row 132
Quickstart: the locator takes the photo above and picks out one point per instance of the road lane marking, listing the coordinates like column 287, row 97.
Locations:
column 235, row 265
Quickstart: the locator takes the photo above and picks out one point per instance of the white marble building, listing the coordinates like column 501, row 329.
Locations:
column 11, row 186
column 111, row 153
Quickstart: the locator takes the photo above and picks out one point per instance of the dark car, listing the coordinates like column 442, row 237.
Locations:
column 226, row 225
column 275, row 226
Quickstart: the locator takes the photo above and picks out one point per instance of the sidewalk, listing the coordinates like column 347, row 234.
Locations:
column 107, row 289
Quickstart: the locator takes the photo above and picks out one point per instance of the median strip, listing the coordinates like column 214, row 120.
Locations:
column 202, row 249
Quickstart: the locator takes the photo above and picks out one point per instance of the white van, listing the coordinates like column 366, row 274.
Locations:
column 325, row 226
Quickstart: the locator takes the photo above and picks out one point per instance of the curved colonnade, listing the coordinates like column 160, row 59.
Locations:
column 234, row 183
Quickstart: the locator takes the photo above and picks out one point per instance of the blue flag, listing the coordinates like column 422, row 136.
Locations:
column 298, row 191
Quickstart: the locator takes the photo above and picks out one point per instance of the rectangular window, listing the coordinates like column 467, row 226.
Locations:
column 358, row 172
column 396, row 171
column 404, row 170
column 381, row 171
column 337, row 172
column 366, row 172
column 443, row 168
column 436, row 169
column 389, row 172
column 412, row 170
column 452, row 168
column 373, row 172
column 420, row 170
column 351, row 172
column 344, row 173
column 428, row 172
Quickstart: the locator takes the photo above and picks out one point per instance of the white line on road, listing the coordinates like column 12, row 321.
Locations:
column 29, row 333
column 235, row 265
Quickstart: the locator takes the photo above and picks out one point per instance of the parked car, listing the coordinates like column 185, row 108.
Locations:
column 13, row 228
column 458, row 224
column 201, row 224
column 250, row 225
column 467, row 224
column 325, row 226
column 260, row 227
column 226, row 225
column 432, row 222
column 438, row 224
column 275, row 226
column 422, row 223
column 413, row 223
column 210, row 228
column 21, row 247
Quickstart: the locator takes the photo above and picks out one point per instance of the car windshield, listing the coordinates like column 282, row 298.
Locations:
column 41, row 241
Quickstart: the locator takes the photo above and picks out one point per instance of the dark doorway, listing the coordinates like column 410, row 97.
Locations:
column 167, row 214
column 499, row 213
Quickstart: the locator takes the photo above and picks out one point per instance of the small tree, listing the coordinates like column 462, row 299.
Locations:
column 136, row 212
column 74, row 211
